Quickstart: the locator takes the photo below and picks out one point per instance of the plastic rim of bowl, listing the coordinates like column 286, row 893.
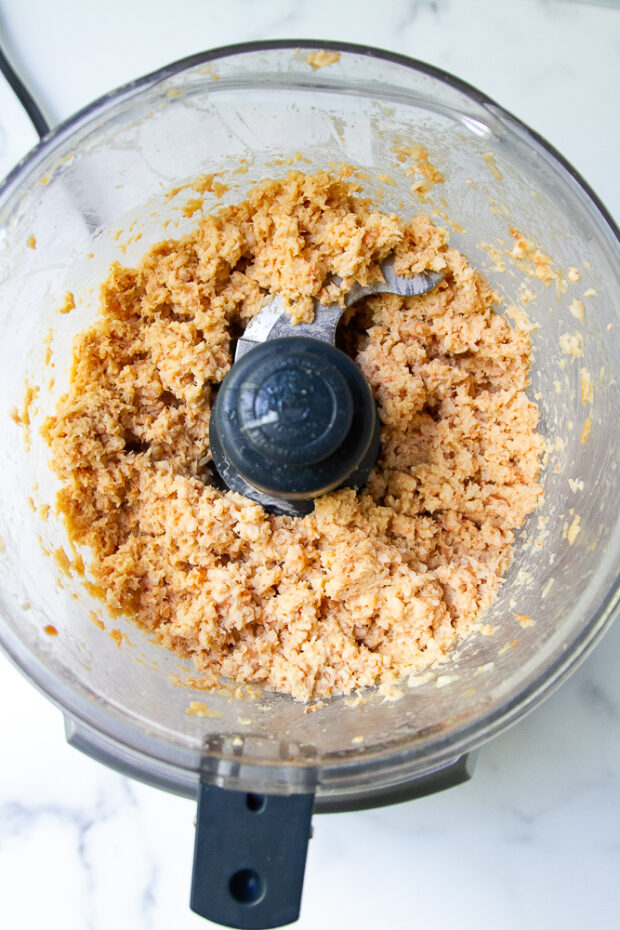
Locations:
column 115, row 730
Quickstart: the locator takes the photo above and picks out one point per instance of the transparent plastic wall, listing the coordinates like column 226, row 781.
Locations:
column 244, row 116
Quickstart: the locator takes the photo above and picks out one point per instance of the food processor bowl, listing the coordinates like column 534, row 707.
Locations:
column 100, row 188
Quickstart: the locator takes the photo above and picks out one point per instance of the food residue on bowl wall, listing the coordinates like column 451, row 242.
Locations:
column 322, row 58
column 68, row 303
column 199, row 709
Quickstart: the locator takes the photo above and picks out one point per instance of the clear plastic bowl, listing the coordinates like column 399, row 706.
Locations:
column 112, row 165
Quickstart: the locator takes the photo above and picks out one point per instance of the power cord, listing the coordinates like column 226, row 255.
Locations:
column 24, row 96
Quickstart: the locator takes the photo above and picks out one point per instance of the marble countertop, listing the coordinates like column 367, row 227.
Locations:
column 533, row 839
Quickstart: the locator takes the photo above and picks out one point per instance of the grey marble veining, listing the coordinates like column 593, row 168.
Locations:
column 534, row 839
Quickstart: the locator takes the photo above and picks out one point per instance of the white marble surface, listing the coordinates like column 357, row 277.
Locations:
column 534, row 840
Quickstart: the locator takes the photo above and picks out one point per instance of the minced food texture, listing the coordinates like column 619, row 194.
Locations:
column 371, row 585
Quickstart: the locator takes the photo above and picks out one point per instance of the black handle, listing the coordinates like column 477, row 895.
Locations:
column 250, row 857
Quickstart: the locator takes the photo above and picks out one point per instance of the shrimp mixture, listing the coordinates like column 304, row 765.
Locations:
column 372, row 584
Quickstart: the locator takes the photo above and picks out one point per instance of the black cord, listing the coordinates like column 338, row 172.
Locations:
column 23, row 95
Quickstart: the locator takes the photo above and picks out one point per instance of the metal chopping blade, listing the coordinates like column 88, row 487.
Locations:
column 273, row 322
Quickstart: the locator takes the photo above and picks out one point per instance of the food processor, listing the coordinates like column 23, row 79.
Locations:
column 114, row 180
